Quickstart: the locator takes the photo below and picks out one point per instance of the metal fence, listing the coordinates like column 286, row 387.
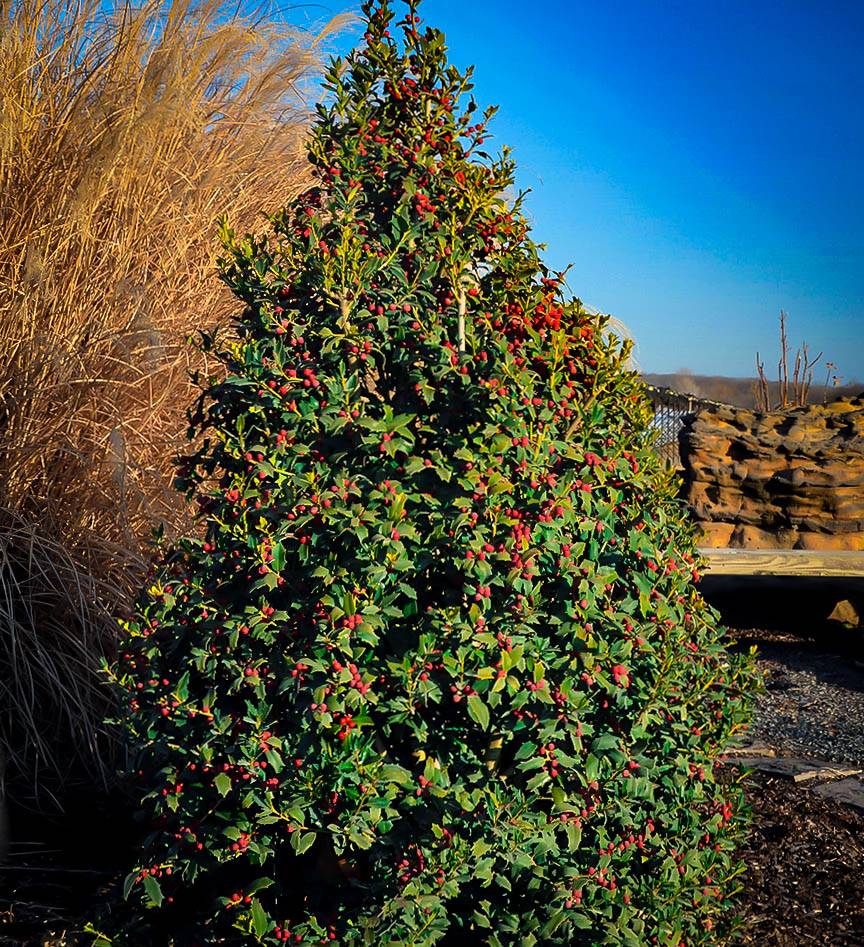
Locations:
column 670, row 409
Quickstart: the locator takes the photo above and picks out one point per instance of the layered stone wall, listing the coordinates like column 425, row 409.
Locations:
column 791, row 479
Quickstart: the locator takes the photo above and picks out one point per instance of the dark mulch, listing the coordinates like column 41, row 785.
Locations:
column 804, row 881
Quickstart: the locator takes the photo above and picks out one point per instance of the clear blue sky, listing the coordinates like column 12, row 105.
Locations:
column 700, row 163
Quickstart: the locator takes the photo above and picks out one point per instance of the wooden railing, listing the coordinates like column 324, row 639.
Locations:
column 802, row 562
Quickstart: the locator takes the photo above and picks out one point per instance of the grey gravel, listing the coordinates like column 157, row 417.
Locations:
column 814, row 707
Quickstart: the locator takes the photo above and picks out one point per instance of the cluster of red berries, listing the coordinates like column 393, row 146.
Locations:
column 411, row 864
column 550, row 762
column 347, row 723
column 458, row 693
column 483, row 591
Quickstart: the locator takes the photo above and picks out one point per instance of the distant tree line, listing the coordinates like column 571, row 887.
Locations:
column 743, row 392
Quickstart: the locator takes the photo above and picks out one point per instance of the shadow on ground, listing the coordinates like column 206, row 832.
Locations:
column 795, row 605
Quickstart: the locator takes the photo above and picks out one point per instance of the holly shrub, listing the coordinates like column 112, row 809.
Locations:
column 439, row 671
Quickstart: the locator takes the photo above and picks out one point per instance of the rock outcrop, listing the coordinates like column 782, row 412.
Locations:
column 791, row 479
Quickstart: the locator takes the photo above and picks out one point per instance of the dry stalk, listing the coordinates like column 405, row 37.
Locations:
column 763, row 401
column 807, row 375
column 829, row 367
column 782, row 373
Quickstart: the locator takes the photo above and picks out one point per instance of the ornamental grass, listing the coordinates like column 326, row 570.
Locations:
column 124, row 131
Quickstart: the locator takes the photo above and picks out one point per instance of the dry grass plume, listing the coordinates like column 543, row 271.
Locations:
column 124, row 131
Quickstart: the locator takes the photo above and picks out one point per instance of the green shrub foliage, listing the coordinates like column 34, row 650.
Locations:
column 440, row 671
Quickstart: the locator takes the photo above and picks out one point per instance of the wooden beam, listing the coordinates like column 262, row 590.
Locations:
column 783, row 562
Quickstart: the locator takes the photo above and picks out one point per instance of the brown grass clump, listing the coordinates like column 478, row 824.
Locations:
column 124, row 131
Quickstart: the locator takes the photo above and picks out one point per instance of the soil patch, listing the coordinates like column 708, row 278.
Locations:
column 804, row 881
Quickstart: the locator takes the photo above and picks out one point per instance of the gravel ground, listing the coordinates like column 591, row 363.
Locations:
column 804, row 856
column 814, row 707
